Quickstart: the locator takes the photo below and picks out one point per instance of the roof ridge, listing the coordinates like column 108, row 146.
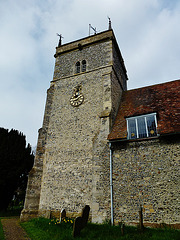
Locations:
column 169, row 82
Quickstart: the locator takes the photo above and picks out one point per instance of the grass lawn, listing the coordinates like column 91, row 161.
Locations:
column 45, row 229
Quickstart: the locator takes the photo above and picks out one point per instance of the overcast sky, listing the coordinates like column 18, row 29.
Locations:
column 147, row 31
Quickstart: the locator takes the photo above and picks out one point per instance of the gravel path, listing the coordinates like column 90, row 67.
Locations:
column 12, row 229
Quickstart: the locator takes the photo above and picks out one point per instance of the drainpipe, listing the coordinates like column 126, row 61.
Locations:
column 111, row 186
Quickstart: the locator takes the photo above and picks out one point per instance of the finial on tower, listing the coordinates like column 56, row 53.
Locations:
column 109, row 23
column 94, row 29
column 60, row 39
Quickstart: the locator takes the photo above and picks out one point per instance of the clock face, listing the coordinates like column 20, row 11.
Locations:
column 76, row 101
column 77, row 98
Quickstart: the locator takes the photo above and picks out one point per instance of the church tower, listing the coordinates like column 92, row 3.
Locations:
column 71, row 166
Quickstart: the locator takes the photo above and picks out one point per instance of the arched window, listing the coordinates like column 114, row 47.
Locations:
column 78, row 67
column 83, row 65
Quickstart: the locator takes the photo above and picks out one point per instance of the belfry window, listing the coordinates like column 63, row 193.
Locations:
column 143, row 126
column 83, row 65
column 78, row 67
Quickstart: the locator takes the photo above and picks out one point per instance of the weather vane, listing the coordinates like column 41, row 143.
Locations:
column 94, row 29
column 109, row 23
column 60, row 39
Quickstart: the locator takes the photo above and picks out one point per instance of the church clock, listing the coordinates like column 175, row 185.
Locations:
column 77, row 98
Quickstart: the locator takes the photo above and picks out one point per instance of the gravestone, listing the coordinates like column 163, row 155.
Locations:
column 122, row 226
column 77, row 227
column 62, row 215
column 122, row 229
column 47, row 214
column 85, row 215
column 141, row 226
column 81, row 222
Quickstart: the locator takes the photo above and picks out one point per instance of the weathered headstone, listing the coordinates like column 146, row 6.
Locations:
column 47, row 214
column 122, row 229
column 77, row 227
column 85, row 215
column 122, row 226
column 81, row 222
column 62, row 215
column 141, row 227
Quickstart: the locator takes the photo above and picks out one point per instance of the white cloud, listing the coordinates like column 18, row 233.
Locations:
column 157, row 52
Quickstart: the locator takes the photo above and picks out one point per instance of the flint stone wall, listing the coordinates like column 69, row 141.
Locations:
column 146, row 173
column 74, row 171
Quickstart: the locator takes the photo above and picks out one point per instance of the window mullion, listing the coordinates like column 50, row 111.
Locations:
column 155, row 120
column 137, row 128
column 127, row 128
column 142, row 126
column 146, row 127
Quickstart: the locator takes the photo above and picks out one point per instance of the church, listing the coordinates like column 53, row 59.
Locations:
column 102, row 145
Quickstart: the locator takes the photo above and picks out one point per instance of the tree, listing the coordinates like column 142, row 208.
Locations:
column 16, row 160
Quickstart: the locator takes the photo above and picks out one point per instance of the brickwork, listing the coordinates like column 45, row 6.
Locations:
column 146, row 173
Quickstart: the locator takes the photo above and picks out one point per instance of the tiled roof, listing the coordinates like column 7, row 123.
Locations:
column 164, row 99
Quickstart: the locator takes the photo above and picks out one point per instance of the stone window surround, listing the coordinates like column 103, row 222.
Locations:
column 80, row 66
column 83, row 68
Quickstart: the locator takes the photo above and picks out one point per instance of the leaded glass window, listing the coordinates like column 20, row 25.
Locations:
column 142, row 126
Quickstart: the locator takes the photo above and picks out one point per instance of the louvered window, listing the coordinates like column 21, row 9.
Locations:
column 83, row 65
column 78, row 67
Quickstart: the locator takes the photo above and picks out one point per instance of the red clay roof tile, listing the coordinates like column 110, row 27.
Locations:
column 164, row 99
